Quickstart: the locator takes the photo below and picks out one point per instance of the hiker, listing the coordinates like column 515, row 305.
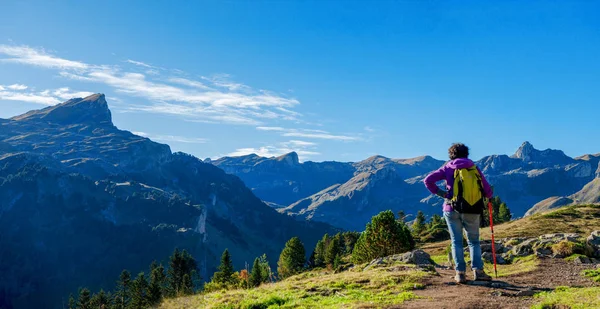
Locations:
column 466, row 189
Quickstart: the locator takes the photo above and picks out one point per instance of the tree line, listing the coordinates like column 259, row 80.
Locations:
column 144, row 291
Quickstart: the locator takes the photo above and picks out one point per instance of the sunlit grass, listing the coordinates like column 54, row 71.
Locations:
column 378, row 287
column 565, row 297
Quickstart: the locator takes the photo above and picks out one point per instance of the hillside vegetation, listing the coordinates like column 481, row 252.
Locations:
column 387, row 283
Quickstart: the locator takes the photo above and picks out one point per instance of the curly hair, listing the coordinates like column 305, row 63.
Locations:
column 458, row 150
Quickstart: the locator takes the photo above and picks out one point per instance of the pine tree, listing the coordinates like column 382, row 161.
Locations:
column 181, row 263
column 383, row 236
column 419, row 225
column 292, row 258
column 265, row 269
column 350, row 239
column 123, row 289
column 187, row 285
column 72, row 302
column 504, row 213
column 84, row 299
column 256, row 275
column 333, row 250
column 139, row 292
column 320, row 250
column 225, row 269
column 158, row 281
column 401, row 215
column 99, row 300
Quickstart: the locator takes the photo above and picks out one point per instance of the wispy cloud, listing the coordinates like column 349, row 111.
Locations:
column 139, row 63
column 37, row 57
column 17, row 87
column 172, row 138
column 28, row 97
column 16, row 92
column 270, row 128
column 65, row 93
column 321, row 136
column 209, row 99
column 304, row 149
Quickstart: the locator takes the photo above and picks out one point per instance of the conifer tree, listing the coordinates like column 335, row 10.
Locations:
column 72, row 302
column 181, row 263
column 383, row 236
column 320, row 250
column 265, row 268
column 123, row 295
column 99, row 300
column 225, row 269
column 84, row 299
column 504, row 213
column 158, row 281
column 350, row 239
column 187, row 285
column 139, row 292
column 333, row 250
column 256, row 276
column 292, row 258
column 419, row 225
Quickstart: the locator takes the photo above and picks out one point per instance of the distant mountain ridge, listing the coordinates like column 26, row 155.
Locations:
column 361, row 189
column 81, row 200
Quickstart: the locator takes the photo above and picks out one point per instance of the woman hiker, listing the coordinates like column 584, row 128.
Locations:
column 463, row 206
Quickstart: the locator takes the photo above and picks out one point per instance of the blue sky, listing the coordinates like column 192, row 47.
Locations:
column 332, row 80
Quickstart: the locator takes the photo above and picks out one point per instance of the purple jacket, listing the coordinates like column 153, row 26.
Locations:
column 446, row 173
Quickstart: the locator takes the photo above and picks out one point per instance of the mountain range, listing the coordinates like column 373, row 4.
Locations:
column 347, row 194
column 81, row 200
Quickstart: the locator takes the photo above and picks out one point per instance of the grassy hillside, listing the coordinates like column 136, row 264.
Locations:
column 581, row 219
column 391, row 285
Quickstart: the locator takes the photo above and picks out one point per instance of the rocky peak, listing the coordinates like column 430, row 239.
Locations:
column 92, row 110
column 290, row 158
column 525, row 152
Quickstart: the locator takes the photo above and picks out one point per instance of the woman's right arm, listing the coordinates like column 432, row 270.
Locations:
column 431, row 179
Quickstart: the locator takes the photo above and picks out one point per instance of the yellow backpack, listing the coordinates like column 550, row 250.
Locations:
column 468, row 191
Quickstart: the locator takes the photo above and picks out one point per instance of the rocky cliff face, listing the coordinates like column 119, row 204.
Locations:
column 81, row 200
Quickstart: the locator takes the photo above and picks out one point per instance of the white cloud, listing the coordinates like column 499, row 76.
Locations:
column 66, row 94
column 17, row 87
column 214, row 99
column 369, row 129
column 172, row 138
column 28, row 97
column 270, row 151
column 301, row 143
column 139, row 63
column 37, row 57
column 187, row 82
column 270, row 128
column 321, row 136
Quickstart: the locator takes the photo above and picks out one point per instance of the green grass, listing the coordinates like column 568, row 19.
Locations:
column 572, row 257
column 519, row 265
column 593, row 274
column 565, row 297
column 379, row 287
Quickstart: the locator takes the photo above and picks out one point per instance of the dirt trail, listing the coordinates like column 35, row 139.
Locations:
column 441, row 292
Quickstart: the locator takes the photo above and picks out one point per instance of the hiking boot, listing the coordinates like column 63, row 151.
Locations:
column 480, row 275
column 460, row 277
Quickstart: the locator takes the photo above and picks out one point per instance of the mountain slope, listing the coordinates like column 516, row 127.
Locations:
column 81, row 200
column 521, row 180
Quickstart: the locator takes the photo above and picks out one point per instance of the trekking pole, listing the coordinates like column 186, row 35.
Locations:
column 490, row 210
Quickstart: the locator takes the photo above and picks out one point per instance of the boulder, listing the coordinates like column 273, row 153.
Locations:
column 593, row 243
column 525, row 248
column 488, row 257
column 557, row 237
column 487, row 247
column 543, row 252
column 417, row 257
column 582, row 260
